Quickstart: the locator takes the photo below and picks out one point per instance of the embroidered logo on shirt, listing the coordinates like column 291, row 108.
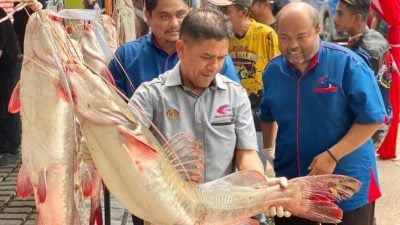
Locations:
column 325, row 85
column 224, row 109
column 224, row 115
column 172, row 114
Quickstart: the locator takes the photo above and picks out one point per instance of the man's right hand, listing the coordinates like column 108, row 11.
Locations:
column 277, row 210
column 270, row 155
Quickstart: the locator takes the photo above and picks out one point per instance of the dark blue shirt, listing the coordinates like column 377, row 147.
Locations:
column 143, row 61
column 315, row 110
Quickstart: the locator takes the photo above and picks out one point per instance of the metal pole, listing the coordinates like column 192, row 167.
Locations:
column 107, row 211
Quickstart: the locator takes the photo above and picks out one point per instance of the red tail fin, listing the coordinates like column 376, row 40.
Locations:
column 86, row 184
column 96, row 217
column 319, row 194
column 24, row 185
column 42, row 187
column 322, row 211
column 14, row 105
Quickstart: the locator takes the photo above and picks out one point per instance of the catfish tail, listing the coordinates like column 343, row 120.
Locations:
column 319, row 194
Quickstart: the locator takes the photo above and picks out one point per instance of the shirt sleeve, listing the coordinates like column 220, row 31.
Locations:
column 264, row 112
column 245, row 129
column 365, row 98
column 229, row 70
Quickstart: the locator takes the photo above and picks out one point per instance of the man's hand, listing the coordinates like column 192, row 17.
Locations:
column 277, row 210
column 322, row 164
column 282, row 181
column 270, row 155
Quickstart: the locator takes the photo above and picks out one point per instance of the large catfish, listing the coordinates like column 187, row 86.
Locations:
column 125, row 21
column 93, row 54
column 158, row 183
column 48, row 142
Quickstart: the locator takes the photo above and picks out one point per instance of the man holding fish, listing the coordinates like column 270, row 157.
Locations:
column 193, row 97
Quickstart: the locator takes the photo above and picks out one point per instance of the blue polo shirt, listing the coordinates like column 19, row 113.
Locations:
column 143, row 61
column 315, row 110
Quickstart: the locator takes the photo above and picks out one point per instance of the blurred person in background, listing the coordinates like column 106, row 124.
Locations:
column 10, row 68
column 261, row 11
column 351, row 17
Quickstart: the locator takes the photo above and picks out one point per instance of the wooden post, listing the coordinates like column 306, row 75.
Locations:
column 108, row 4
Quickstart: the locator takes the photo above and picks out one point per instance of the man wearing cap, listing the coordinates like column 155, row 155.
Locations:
column 252, row 47
column 261, row 11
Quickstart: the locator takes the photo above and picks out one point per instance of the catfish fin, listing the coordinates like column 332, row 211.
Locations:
column 96, row 216
column 186, row 156
column 331, row 186
column 106, row 74
column 14, row 105
column 86, row 181
column 135, row 145
column 42, row 187
column 249, row 221
column 107, row 117
column 24, row 184
column 240, row 180
column 322, row 211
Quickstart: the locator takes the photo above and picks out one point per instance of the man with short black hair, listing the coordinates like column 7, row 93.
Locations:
column 351, row 17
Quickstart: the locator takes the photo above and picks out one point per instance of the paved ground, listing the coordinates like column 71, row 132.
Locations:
column 388, row 206
column 14, row 211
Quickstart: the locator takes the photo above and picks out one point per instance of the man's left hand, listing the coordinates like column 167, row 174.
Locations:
column 322, row 164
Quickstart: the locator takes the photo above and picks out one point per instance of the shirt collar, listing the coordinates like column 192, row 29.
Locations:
column 173, row 78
